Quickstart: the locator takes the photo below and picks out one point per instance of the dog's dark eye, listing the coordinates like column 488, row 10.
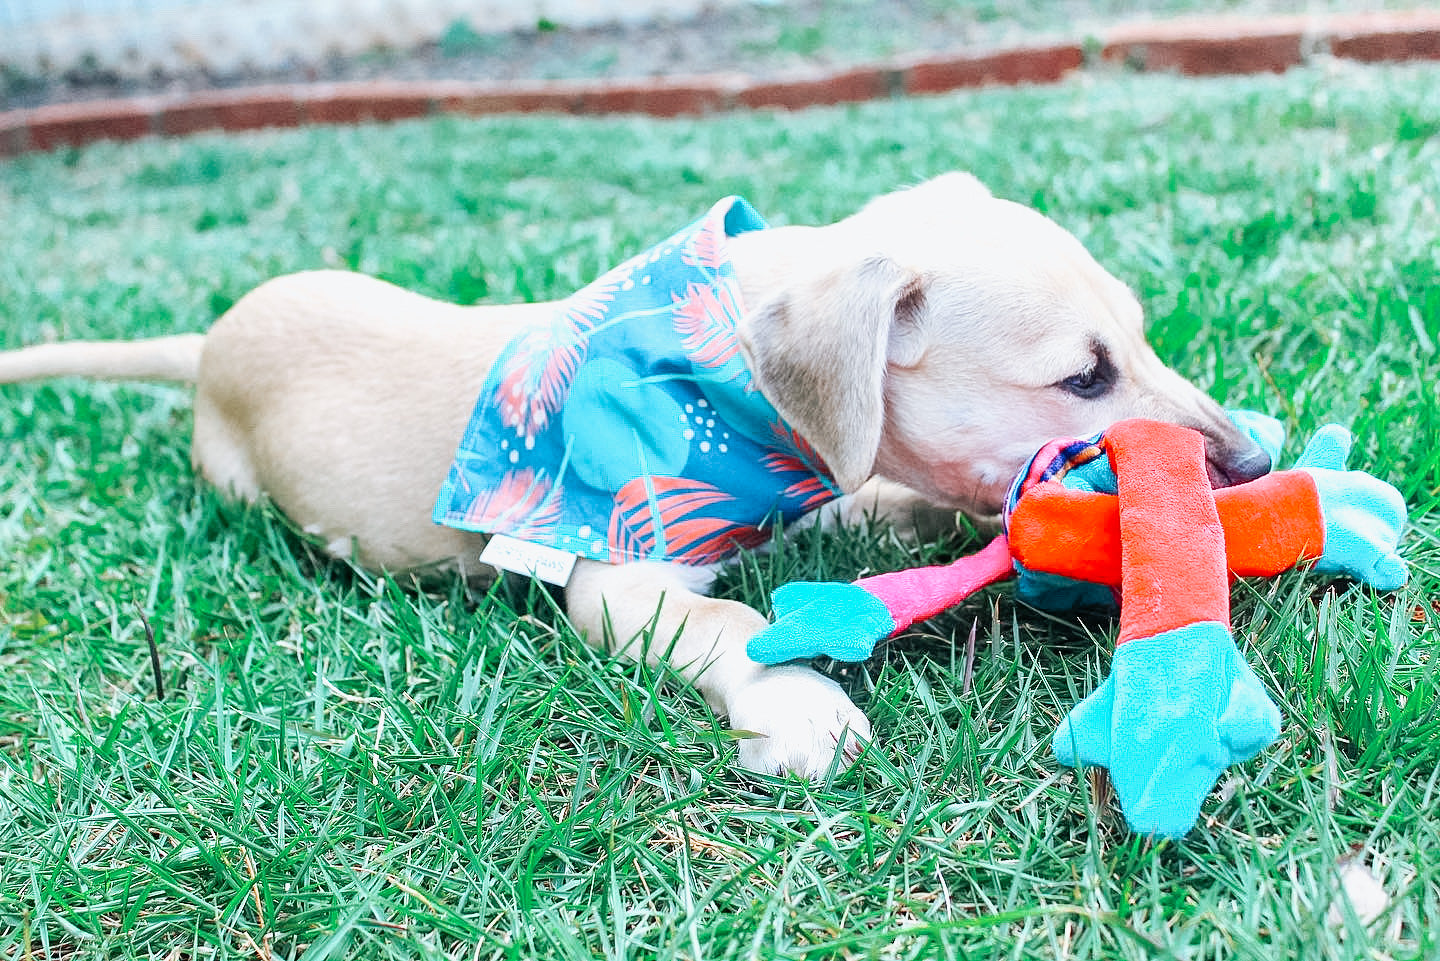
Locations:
column 1083, row 384
column 1094, row 381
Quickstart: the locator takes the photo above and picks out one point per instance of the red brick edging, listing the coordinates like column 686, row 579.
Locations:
column 1195, row 46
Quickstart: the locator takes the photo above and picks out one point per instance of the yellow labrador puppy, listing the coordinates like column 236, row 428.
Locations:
column 934, row 339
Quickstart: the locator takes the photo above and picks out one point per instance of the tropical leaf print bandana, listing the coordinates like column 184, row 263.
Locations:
column 628, row 427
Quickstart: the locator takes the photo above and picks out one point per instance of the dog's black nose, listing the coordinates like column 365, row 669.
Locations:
column 1244, row 465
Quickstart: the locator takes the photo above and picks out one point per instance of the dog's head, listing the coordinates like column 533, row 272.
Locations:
column 943, row 336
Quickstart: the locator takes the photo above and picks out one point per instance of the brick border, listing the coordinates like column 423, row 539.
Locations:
column 1195, row 46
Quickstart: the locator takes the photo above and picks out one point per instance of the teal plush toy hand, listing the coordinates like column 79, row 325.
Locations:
column 1177, row 709
column 1363, row 515
column 844, row 621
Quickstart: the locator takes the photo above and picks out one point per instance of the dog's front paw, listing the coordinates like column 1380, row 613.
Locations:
column 800, row 721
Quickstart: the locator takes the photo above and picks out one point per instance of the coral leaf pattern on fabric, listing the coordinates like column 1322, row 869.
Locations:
column 809, row 490
column 668, row 516
column 524, row 497
column 704, row 249
column 706, row 318
column 811, row 483
column 534, row 376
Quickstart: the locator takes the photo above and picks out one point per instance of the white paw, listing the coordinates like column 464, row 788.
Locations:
column 802, row 720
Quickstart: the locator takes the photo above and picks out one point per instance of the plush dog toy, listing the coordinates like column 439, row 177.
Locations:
column 1131, row 514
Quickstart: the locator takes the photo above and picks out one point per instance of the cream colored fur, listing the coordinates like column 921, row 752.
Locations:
column 926, row 339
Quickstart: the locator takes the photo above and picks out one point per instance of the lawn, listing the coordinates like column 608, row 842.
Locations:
column 343, row 765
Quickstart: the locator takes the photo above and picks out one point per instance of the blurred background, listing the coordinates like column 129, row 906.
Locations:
column 138, row 38
column 68, row 49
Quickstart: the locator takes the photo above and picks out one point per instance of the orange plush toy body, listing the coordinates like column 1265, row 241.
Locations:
column 1131, row 514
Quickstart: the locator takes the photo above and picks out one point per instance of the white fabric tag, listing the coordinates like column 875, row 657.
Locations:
column 551, row 565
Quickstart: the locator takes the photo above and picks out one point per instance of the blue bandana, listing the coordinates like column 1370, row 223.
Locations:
column 628, row 427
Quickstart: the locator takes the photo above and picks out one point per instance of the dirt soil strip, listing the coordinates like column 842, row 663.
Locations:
column 1194, row 46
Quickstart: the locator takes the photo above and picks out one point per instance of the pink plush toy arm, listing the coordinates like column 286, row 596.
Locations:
column 914, row 595
column 845, row 621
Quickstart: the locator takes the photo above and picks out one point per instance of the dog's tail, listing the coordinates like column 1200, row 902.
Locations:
column 175, row 358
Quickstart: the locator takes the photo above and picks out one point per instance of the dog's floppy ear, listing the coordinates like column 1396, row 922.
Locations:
column 820, row 355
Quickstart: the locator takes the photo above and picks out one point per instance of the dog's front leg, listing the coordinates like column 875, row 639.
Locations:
column 914, row 519
column 652, row 610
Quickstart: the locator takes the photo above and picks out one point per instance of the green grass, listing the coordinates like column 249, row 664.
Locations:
column 346, row 766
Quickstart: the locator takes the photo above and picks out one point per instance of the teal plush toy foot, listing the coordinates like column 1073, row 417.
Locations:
column 843, row 621
column 1363, row 515
column 1177, row 709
